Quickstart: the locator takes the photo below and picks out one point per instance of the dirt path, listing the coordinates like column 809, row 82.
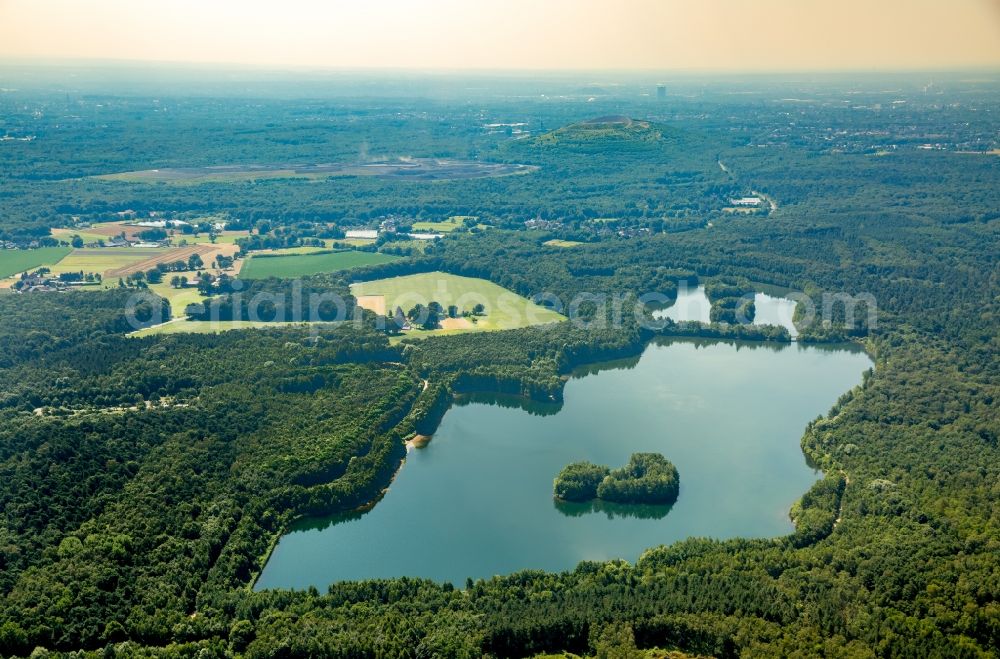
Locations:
column 179, row 319
column 840, row 508
column 771, row 202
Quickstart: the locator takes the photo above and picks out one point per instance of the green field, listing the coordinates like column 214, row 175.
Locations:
column 16, row 261
column 102, row 259
column 290, row 251
column 85, row 235
column 444, row 226
column 224, row 238
column 504, row 309
column 562, row 243
column 179, row 298
column 261, row 267
column 352, row 242
column 416, row 245
column 183, row 326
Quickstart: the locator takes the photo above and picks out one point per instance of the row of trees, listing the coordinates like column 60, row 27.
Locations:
column 429, row 317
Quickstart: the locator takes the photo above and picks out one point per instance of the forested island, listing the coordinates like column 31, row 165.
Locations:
column 647, row 478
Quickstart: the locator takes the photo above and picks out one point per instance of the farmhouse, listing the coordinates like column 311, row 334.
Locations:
column 746, row 201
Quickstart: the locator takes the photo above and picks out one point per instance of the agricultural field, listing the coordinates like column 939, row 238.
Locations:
column 162, row 256
column 114, row 262
column 262, row 267
column 291, row 251
column 16, row 261
column 504, row 309
column 444, row 226
column 562, row 243
column 88, row 235
column 184, row 326
column 222, row 238
column 419, row 246
column 352, row 242
column 103, row 259
column 107, row 230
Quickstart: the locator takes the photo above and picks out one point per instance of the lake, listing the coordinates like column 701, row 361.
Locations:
column 693, row 304
column 477, row 500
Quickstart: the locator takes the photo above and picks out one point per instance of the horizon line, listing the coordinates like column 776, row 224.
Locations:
column 67, row 63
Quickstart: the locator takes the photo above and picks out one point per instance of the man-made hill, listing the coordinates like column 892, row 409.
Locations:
column 607, row 129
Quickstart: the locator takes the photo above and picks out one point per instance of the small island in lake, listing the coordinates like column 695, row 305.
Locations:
column 647, row 478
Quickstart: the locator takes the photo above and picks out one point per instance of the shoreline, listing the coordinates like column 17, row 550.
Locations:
column 417, row 441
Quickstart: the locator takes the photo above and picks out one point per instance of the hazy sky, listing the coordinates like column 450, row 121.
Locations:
column 513, row 34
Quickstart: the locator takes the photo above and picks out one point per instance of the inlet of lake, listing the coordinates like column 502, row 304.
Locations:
column 477, row 500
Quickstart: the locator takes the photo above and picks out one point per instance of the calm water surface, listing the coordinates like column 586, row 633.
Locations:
column 477, row 501
column 693, row 304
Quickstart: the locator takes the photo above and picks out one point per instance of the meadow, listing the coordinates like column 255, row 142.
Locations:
column 88, row 235
column 291, row 251
column 301, row 265
column 114, row 262
column 503, row 308
column 102, row 259
column 223, row 238
column 179, row 298
column 353, row 242
column 184, row 326
column 444, row 226
column 16, row 261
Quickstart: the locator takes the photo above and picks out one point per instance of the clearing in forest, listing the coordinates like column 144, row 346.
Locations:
column 501, row 308
column 302, row 265
column 442, row 226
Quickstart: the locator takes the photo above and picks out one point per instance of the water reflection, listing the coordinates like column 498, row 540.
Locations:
column 511, row 401
column 613, row 510
column 771, row 310
column 693, row 305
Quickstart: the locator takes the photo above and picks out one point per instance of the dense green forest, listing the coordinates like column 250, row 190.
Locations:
column 144, row 481
column 647, row 478
column 579, row 481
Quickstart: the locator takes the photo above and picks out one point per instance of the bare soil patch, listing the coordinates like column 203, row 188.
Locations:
column 374, row 303
column 456, row 323
column 116, row 229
